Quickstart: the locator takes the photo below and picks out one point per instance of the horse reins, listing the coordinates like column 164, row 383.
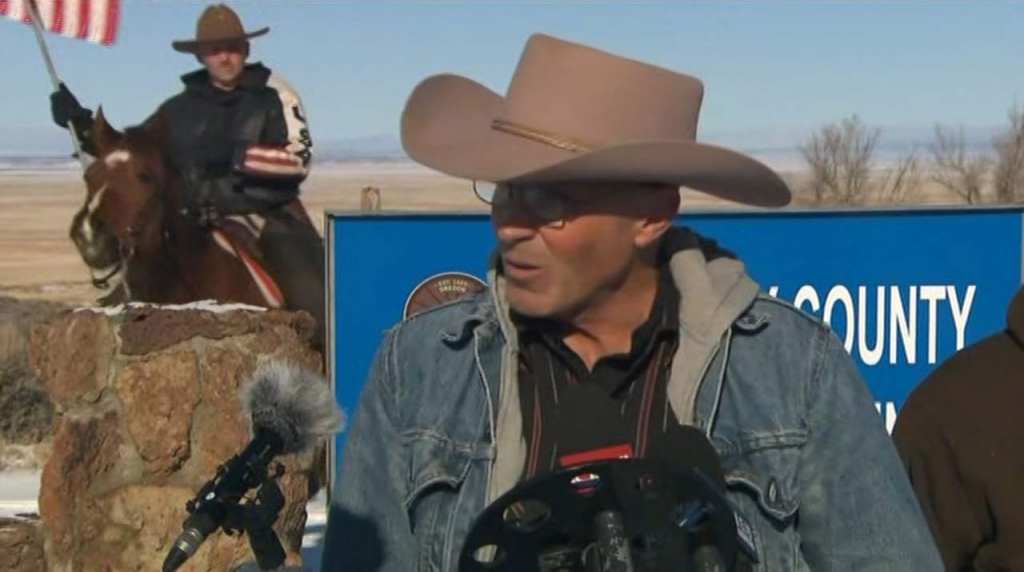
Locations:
column 103, row 282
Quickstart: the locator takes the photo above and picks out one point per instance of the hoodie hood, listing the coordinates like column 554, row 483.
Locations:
column 714, row 291
column 254, row 76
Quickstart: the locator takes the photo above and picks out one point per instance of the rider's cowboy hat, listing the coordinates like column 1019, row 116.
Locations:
column 217, row 24
column 576, row 113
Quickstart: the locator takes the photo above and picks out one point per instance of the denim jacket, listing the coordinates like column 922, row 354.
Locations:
column 810, row 468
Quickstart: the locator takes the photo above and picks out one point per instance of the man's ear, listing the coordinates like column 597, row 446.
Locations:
column 660, row 210
column 650, row 230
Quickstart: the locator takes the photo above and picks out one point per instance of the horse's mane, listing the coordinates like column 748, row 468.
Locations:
column 140, row 137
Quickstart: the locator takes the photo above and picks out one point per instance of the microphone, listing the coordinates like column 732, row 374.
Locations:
column 603, row 510
column 715, row 547
column 290, row 408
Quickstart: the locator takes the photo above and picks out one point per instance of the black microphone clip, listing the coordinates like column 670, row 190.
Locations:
column 218, row 505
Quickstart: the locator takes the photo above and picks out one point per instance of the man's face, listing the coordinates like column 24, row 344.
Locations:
column 566, row 247
column 224, row 62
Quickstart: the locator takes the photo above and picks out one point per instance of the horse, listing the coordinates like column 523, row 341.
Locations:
column 140, row 243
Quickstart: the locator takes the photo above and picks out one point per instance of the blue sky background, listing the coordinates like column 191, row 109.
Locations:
column 773, row 71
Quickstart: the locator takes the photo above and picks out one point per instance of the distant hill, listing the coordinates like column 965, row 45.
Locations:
column 50, row 148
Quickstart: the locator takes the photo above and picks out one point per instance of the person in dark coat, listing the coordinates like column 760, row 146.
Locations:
column 241, row 139
column 961, row 437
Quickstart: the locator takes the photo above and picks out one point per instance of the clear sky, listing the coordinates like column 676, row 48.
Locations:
column 772, row 70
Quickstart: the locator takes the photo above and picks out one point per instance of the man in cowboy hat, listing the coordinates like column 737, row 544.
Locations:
column 240, row 137
column 605, row 328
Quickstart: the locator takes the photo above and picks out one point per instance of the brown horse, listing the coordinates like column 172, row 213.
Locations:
column 135, row 237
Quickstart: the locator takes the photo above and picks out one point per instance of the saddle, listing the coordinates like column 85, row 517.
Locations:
column 238, row 235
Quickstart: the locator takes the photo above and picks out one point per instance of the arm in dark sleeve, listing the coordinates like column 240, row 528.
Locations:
column 932, row 465
column 65, row 108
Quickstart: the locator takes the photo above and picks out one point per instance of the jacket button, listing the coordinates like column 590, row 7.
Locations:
column 773, row 492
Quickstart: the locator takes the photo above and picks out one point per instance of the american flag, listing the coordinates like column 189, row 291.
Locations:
column 91, row 20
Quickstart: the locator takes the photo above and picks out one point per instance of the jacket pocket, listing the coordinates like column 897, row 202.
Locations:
column 760, row 478
column 436, row 463
column 773, row 501
column 438, row 468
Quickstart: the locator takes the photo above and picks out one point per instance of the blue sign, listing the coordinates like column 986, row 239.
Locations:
column 904, row 289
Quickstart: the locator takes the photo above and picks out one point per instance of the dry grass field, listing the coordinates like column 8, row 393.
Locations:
column 37, row 260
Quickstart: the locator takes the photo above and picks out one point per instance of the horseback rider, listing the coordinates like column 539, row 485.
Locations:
column 239, row 137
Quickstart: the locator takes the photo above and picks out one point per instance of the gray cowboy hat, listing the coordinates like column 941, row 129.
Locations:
column 573, row 112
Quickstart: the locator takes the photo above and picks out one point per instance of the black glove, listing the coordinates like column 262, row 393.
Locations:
column 209, row 198
column 64, row 107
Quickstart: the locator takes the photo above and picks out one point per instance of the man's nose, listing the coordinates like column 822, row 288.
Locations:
column 513, row 223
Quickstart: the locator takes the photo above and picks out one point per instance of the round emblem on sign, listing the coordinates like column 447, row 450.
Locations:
column 441, row 288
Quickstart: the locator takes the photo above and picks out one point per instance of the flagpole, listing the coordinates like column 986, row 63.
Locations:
column 37, row 26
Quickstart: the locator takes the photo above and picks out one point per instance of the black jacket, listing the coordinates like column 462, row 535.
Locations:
column 245, row 150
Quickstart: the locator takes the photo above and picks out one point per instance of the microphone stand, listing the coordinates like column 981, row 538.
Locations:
column 255, row 518
column 610, row 551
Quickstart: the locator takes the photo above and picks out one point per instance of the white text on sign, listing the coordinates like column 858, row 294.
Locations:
column 893, row 324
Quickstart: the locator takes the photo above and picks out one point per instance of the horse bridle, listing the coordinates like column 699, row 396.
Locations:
column 126, row 247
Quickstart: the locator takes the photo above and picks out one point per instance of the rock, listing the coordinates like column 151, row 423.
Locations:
column 135, row 527
column 149, row 329
column 21, row 545
column 158, row 397
column 26, row 413
column 219, row 423
column 71, row 355
column 84, row 451
column 17, row 317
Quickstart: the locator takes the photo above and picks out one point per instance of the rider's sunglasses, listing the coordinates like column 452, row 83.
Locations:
column 543, row 204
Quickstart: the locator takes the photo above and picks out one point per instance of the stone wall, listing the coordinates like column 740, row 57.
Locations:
column 146, row 408
column 26, row 413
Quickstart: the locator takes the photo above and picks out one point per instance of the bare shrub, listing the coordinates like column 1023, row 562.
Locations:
column 841, row 157
column 1008, row 171
column 960, row 172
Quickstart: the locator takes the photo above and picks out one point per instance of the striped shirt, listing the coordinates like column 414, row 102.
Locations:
column 619, row 406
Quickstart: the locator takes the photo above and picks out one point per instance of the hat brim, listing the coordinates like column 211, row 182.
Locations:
column 446, row 125
column 192, row 46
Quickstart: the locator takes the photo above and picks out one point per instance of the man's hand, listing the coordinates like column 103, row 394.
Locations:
column 64, row 107
column 206, row 214
column 209, row 198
